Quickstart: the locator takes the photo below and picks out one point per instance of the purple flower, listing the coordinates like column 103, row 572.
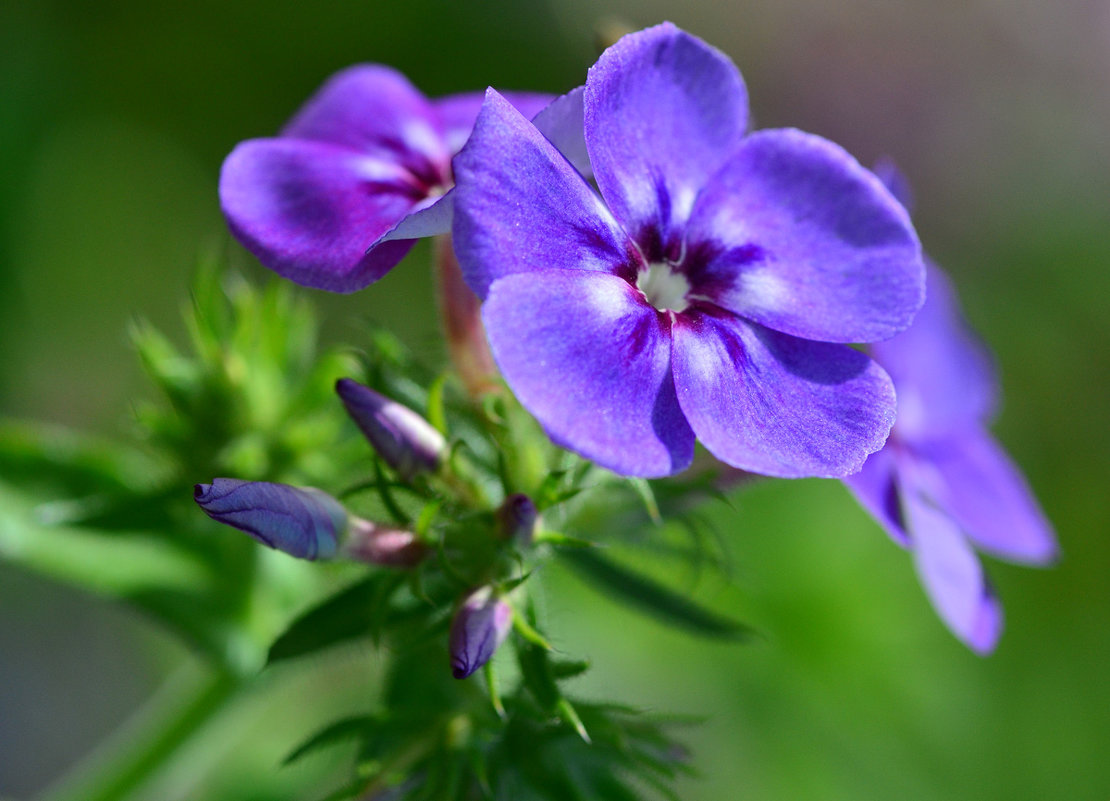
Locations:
column 709, row 290
column 942, row 486
column 406, row 441
column 478, row 629
column 353, row 180
column 302, row 522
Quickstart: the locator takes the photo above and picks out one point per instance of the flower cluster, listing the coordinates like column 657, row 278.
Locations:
column 650, row 274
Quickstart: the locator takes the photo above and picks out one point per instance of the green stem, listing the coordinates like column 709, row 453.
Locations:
column 148, row 742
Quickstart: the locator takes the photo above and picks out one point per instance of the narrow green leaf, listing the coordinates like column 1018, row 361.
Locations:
column 568, row 669
column 650, row 596
column 119, row 565
column 386, row 495
column 535, row 670
column 490, row 673
column 647, row 497
column 349, row 614
column 337, row 733
column 570, row 717
column 437, row 414
column 67, row 463
column 528, row 632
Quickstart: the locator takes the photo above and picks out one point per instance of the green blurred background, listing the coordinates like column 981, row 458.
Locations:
column 114, row 118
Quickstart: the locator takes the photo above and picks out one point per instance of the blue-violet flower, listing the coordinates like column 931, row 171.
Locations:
column 942, row 486
column 711, row 290
column 301, row 521
column 406, row 441
column 358, row 174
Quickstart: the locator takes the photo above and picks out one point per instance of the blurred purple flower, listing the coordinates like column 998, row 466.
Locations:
column 712, row 290
column 942, row 486
column 358, row 174
column 478, row 629
column 406, row 441
column 302, row 522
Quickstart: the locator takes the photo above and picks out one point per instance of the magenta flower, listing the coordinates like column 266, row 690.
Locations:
column 709, row 290
column 357, row 175
column 942, row 486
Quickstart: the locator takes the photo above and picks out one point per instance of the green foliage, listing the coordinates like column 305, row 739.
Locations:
column 252, row 399
column 650, row 596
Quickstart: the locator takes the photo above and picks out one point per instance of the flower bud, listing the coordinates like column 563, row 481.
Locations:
column 516, row 519
column 381, row 545
column 302, row 522
column 406, row 441
column 480, row 626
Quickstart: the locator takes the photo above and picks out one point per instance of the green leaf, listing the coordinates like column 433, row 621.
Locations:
column 528, row 631
column 570, row 717
column 647, row 498
column 349, row 614
column 63, row 463
column 535, row 669
column 568, row 669
column 650, row 596
column 337, row 733
column 437, row 414
column 120, row 565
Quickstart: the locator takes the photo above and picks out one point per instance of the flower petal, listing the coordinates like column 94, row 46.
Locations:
column 520, row 206
column 376, row 111
column 876, row 488
column 562, row 123
column 590, row 359
column 804, row 240
column 310, row 210
column 459, row 112
column 944, row 375
column 951, row 573
column 773, row 404
column 431, row 217
column 895, row 181
column 663, row 110
column 986, row 495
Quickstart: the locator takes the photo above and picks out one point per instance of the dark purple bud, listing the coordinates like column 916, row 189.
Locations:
column 302, row 522
column 516, row 519
column 479, row 627
column 382, row 545
column 406, row 441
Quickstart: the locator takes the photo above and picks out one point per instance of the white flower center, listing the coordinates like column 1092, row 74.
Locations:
column 664, row 288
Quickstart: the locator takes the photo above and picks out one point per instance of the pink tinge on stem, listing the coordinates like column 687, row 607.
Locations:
column 382, row 545
column 462, row 323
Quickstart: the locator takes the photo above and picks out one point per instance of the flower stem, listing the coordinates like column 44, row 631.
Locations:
column 149, row 741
